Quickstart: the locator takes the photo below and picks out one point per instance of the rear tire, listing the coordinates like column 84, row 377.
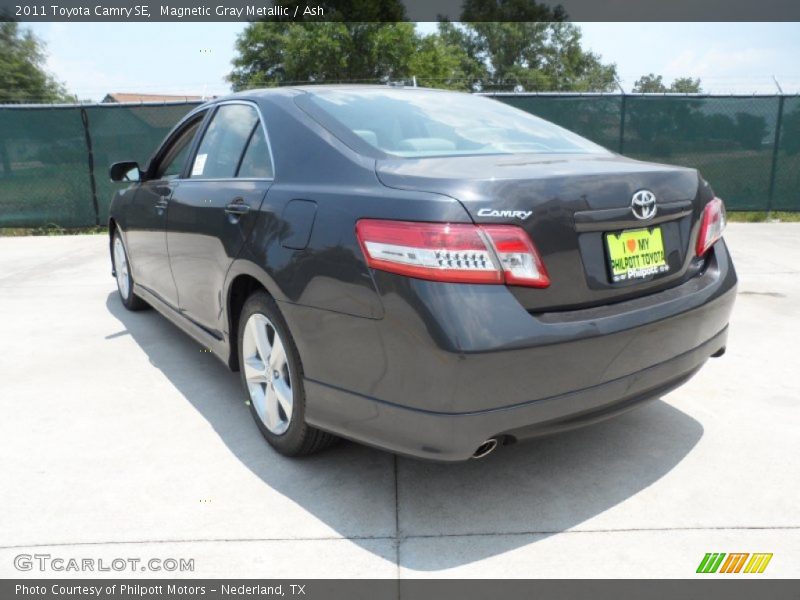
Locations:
column 122, row 270
column 272, row 377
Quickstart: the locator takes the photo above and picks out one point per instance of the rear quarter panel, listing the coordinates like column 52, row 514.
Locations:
column 311, row 164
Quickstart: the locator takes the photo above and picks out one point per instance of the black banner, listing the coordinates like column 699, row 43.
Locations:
column 398, row 10
column 321, row 589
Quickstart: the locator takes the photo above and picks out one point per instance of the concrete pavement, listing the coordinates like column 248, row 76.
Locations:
column 121, row 438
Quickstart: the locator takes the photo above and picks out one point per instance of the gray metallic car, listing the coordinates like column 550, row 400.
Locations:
column 433, row 273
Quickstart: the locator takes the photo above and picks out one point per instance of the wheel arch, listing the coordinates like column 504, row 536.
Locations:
column 112, row 228
column 243, row 280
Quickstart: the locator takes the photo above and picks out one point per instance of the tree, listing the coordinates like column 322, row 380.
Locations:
column 435, row 63
column 650, row 84
column 467, row 48
column 654, row 84
column 686, row 85
column 543, row 53
column 529, row 46
column 530, row 55
column 280, row 53
column 343, row 47
column 22, row 74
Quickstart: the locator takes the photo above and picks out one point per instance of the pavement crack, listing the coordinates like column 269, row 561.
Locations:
column 204, row 540
column 609, row 530
column 398, row 539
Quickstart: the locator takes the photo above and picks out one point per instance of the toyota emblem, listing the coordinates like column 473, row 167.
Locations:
column 643, row 205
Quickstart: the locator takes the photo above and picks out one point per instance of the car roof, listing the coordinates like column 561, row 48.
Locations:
column 311, row 88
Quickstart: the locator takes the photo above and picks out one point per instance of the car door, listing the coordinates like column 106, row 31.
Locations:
column 214, row 208
column 146, row 236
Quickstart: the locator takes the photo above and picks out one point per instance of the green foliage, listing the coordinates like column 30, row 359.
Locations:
column 438, row 64
column 654, row 84
column 52, row 229
column 650, row 84
column 486, row 55
column 534, row 56
column 761, row 216
column 22, row 74
column 686, row 85
column 280, row 53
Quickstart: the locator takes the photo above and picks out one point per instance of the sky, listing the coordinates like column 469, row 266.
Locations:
column 93, row 59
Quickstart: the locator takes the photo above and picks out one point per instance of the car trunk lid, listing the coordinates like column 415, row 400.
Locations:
column 567, row 204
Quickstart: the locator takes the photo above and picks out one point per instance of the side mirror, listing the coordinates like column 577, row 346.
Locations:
column 127, row 170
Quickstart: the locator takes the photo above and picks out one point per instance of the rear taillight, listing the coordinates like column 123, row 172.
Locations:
column 519, row 259
column 452, row 252
column 712, row 224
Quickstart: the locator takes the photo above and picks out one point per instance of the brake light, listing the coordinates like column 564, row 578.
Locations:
column 452, row 252
column 519, row 259
column 712, row 224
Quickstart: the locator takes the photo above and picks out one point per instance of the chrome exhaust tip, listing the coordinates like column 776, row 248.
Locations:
column 486, row 448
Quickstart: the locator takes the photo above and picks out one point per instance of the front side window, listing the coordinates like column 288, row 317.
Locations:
column 420, row 123
column 175, row 155
column 224, row 141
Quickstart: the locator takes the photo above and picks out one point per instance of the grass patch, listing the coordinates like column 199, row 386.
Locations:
column 51, row 229
column 760, row 216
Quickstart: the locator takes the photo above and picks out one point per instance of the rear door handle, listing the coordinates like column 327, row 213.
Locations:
column 161, row 203
column 237, row 207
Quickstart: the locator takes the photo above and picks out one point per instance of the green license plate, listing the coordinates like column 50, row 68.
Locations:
column 636, row 253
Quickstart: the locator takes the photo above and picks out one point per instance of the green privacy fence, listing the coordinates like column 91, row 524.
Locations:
column 747, row 147
column 54, row 159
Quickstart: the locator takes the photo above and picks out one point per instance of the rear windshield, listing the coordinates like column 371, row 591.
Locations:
column 419, row 123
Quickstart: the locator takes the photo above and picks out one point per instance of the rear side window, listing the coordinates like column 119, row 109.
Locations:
column 256, row 161
column 224, row 141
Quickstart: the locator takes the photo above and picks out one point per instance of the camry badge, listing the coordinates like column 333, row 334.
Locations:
column 511, row 214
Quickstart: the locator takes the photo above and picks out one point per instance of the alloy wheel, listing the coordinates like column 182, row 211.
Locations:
column 267, row 373
column 121, row 268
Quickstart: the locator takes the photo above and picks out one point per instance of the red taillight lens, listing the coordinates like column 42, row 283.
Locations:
column 519, row 259
column 456, row 253
column 712, row 224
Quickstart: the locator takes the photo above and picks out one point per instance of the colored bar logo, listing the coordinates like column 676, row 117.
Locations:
column 719, row 562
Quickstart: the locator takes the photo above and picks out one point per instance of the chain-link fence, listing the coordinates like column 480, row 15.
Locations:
column 54, row 160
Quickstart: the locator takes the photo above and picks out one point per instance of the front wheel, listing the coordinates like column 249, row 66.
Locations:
column 122, row 271
column 272, row 376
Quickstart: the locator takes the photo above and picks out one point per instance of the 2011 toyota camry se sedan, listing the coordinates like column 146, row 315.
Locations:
column 433, row 273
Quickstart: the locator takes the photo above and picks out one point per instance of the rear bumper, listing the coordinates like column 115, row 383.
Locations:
column 448, row 368
column 449, row 437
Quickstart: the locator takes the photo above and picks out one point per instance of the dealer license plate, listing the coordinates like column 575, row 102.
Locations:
column 636, row 253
